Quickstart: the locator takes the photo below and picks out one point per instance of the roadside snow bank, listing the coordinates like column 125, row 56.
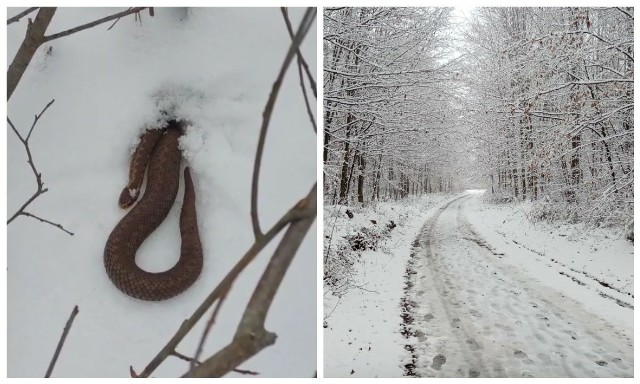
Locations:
column 363, row 287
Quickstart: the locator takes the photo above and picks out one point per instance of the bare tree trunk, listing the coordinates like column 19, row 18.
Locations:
column 361, row 168
column 32, row 41
column 344, row 175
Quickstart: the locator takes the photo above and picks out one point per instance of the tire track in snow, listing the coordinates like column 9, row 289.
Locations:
column 476, row 316
column 454, row 338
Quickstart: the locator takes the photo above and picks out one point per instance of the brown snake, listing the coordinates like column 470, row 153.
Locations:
column 159, row 150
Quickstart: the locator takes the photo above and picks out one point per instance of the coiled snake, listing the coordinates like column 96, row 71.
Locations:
column 159, row 150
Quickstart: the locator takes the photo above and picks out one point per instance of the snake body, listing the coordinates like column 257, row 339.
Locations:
column 159, row 150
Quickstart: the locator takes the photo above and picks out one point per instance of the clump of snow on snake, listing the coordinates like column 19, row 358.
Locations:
column 158, row 150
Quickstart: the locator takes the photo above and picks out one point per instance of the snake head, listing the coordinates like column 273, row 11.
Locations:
column 128, row 197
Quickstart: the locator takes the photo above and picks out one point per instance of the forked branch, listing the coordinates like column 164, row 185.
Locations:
column 40, row 184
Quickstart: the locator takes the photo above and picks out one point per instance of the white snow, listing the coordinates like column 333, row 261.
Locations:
column 489, row 294
column 362, row 326
column 556, row 255
column 477, row 314
column 213, row 67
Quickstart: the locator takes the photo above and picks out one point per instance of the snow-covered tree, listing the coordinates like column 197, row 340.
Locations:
column 388, row 81
column 551, row 100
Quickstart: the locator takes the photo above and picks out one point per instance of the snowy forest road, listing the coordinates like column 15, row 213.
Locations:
column 468, row 313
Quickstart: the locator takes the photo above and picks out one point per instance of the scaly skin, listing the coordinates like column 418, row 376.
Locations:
column 162, row 187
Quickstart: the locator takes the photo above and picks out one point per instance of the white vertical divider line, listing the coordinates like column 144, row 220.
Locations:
column 320, row 217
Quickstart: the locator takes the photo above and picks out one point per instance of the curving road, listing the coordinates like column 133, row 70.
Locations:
column 472, row 315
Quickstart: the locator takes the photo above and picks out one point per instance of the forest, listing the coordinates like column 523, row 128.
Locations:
column 531, row 104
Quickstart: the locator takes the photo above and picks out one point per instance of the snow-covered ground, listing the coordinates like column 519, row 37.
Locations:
column 216, row 67
column 362, row 324
column 593, row 266
column 486, row 294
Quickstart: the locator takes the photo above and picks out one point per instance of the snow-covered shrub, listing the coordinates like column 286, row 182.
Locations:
column 499, row 198
column 366, row 238
column 347, row 238
column 555, row 212
column 338, row 264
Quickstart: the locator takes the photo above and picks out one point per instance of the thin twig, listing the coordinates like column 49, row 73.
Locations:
column 92, row 24
column 151, row 13
column 301, row 59
column 118, row 19
column 246, row 372
column 29, row 201
column 40, row 184
column 210, row 323
column 63, row 337
column 38, row 116
column 21, row 15
column 24, row 213
column 185, row 358
column 306, row 99
column 307, row 20
column 292, row 215
column 301, row 63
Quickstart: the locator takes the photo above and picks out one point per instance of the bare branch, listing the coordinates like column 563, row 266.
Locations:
column 185, row 358
column 40, row 184
column 31, row 199
column 246, row 372
column 63, row 337
column 302, row 63
column 307, row 104
column 38, row 116
column 32, row 41
column 115, row 22
column 25, row 143
column 210, row 323
column 625, row 12
column 297, row 212
column 305, row 24
column 301, row 60
column 46, row 221
column 92, row 24
column 251, row 337
column 21, row 15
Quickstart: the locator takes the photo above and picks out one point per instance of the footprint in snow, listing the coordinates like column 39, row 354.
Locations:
column 519, row 354
column 438, row 361
column 475, row 313
column 573, row 335
column 473, row 345
column 499, row 371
